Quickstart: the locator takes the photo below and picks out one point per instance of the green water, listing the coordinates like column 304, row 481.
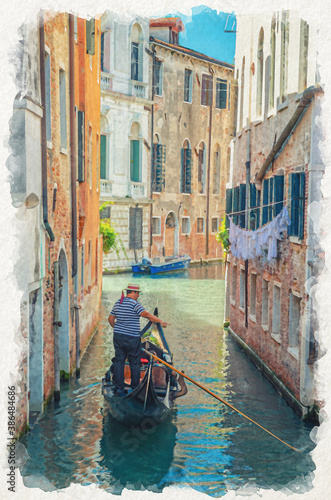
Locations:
column 204, row 444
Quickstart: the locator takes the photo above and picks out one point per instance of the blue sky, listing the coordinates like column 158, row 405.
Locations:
column 204, row 32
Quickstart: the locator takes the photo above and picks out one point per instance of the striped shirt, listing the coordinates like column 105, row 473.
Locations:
column 127, row 317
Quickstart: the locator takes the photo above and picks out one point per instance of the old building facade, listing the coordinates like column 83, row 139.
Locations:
column 276, row 166
column 56, row 324
column 192, row 125
column 125, row 134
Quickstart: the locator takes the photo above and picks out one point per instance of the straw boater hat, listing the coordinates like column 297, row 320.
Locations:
column 130, row 288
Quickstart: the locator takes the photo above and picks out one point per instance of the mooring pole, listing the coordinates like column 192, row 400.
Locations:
column 56, row 324
column 77, row 307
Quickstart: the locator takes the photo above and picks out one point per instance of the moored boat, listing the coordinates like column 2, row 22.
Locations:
column 170, row 264
column 150, row 402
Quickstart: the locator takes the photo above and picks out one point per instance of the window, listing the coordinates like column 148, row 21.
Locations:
column 254, row 203
column 294, row 321
column 297, row 204
column 265, row 303
column 217, row 170
column 221, row 93
column 259, row 75
column 105, row 52
column 135, row 228
column 242, row 289
column 276, row 312
column 103, row 156
column 234, row 283
column 228, row 206
column 82, row 270
column 156, row 226
column 89, row 264
column 135, row 163
column 136, row 53
column 158, row 165
column 90, row 37
column 252, row 308
column 90, row 154
column 63, row 109
column 202, row 169
column 272, row 65
column 188, row 85
column 158, row 77
column 81, row 146
column 186, row 168
column 214, row 224
column 97, row 169
column 303, row 58
column 284, row 56
column 105, row 213
column 200, row 225
column 48, row 96
column 242, row 89
column 185, row 225
column 207, row 90
column 273, row 197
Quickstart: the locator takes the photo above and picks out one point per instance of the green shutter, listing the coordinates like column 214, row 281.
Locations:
column 278, row 194
column 228, row 206
column 236, row 204
column 242, row 203
column 265, row 201
column 90, row 37
column 158, row 168
column 302, row 206
column 164, row 156
column 295, row 198
column 254, row 202
column 188, row 180
column 134, row 160
column 103, row 157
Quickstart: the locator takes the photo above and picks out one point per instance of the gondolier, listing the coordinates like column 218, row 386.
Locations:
column 125, row 319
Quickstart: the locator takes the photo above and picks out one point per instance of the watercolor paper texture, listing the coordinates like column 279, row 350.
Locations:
column 17, row 242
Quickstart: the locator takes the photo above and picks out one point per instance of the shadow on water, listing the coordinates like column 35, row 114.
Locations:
column 138, row 458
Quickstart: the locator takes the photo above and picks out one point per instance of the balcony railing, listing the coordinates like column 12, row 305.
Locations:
column 138, row 89
column 137, row 190
column 105, row 187
column 106, row 82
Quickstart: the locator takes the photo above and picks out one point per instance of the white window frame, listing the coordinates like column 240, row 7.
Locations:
column 189, row 224
column 242, row 290
column 159, row 225
column 218, row 223
column 265, row 305
column 203, row 225
column 190, row 85
column 252, row 302
column 276, row 312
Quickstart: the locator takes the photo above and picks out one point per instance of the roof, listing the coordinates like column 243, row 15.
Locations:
column 160, row 22
column 192, row 53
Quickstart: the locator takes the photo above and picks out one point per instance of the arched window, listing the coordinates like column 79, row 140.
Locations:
column 217, row 170
column 202, row 169
column 135, row 161
column 186, row 168
column 242, row 89
column 136, row 53
column 259, row 74
column 272, row 64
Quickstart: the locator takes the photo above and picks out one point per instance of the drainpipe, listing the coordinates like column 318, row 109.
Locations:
column 56, row 324
column 43, row 126
column 304, row 102
column 211, row 71
column 73, row 147
column 152, row 53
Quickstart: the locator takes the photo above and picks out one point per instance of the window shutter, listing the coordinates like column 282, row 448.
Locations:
column 103, row 157
column 228, row 205
column 81, row 146
column 278, row 194
column 135, row 228
column 265, row 201
column 102, row 51
column 236, row 204
column 188, row 177
column 270, row 199
column 203, row 92
column 295, row 178
column 182, row 172
column 223, row 96
column 254, row 202
column 140, row 62
column 90, row 37
column 164, row 156
column 302, row 206
column 134, row 153
column 290, row 227
column 242, row 191
column 158, row 168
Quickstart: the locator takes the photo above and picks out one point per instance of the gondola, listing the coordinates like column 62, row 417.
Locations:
column 150, row 402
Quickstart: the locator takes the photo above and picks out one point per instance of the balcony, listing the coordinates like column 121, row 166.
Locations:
column 137, row 190
column 106, row 82
column 105, row 187
column 138, row 89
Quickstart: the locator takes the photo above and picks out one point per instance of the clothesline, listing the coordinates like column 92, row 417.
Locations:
column 248, row 244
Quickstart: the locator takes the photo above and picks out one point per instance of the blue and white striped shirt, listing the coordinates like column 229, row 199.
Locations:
column 127, row 317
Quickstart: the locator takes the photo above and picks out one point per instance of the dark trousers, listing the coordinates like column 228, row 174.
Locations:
column 126, row 346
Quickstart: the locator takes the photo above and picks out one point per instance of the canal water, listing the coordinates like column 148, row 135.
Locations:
column 204, row 444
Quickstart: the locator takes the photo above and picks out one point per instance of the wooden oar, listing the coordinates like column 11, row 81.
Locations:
column 219, row 399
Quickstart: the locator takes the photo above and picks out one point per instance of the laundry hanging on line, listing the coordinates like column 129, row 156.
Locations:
column 250, row 244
